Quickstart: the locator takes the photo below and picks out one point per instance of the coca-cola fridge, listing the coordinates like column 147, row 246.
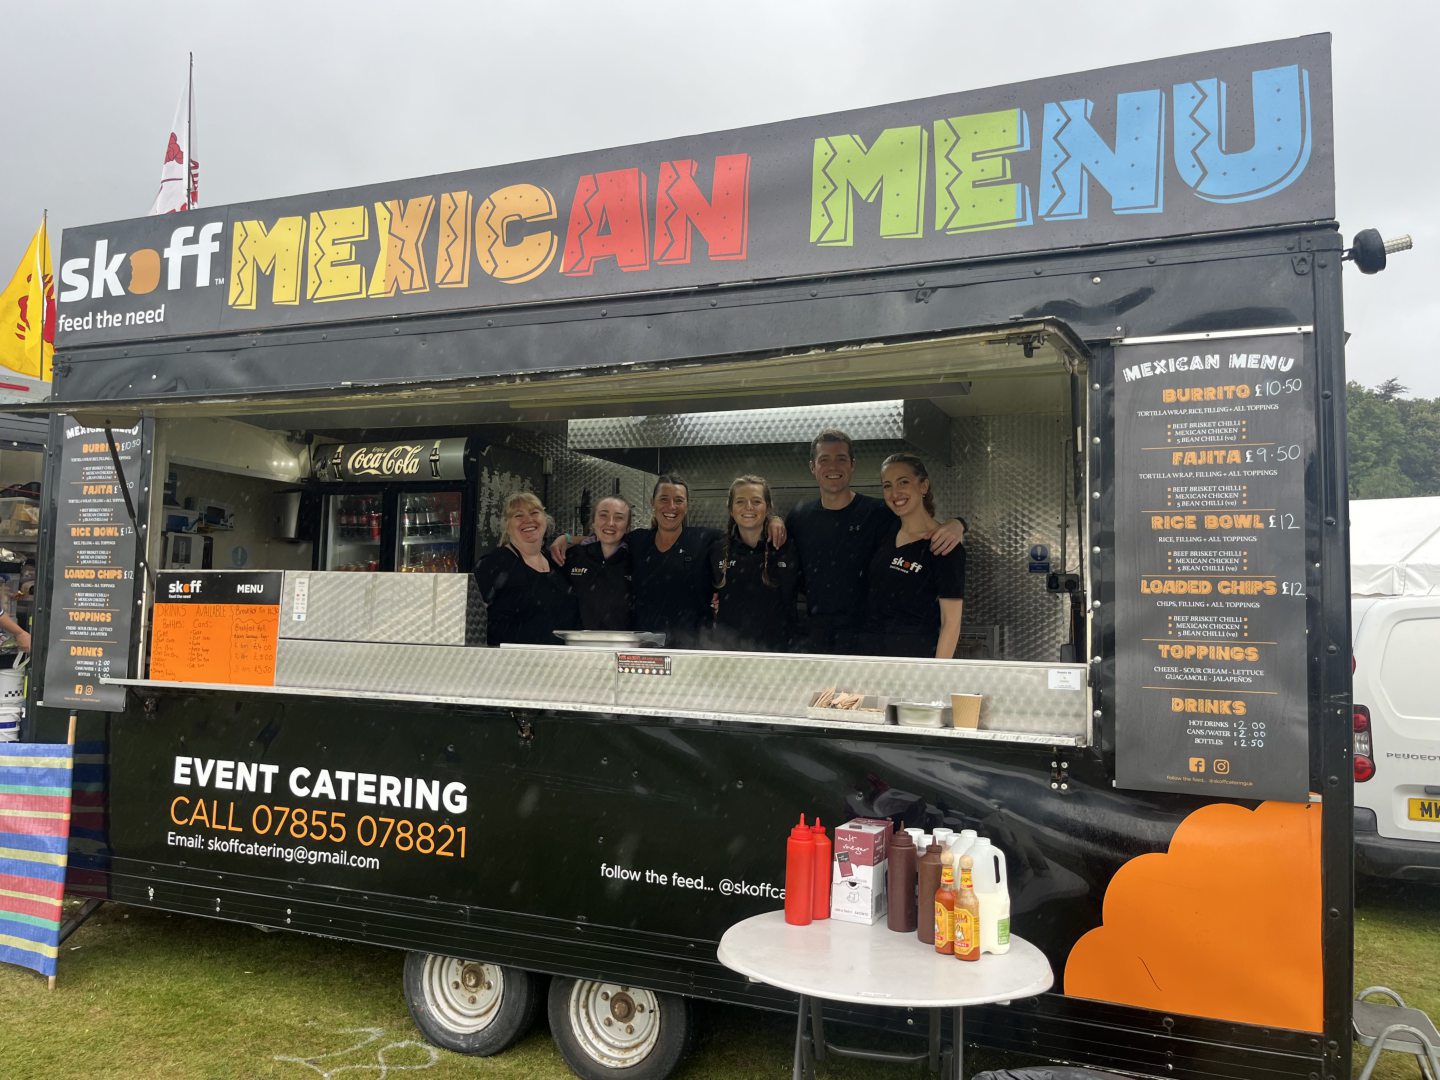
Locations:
column 405, row 506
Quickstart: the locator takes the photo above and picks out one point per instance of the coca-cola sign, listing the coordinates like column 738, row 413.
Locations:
column 412, row 461
column 384, row 460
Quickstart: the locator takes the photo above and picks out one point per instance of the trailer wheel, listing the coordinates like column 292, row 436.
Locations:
column 610, row 1031
column 467, row 1006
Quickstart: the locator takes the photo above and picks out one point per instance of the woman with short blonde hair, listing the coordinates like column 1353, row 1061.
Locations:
column 527, row 597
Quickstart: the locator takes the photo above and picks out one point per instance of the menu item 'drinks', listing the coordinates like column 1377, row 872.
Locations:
column 1212, row 443
column 94, row 567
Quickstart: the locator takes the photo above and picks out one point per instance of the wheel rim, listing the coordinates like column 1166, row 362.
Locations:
column 464, row 994
column 615, row 1025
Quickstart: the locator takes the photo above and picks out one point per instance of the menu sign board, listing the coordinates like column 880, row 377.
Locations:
column 94, row 590
column 1212, row 440
column 216, row 627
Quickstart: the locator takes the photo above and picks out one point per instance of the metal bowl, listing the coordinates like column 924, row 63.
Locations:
column 934, row 714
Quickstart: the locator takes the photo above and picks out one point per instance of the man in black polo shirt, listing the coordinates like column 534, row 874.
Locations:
column 835, row 535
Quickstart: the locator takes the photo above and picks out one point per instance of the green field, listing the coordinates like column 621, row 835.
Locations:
column 143, row 994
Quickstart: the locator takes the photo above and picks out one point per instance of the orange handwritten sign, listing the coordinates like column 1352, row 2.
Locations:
column 214, row 643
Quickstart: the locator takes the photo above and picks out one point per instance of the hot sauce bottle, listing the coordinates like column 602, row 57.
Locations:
column 966, row 944
column 799, row 875
column 945, row 912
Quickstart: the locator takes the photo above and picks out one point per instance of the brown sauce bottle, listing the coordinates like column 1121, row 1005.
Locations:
column 900, row 885
column 929, row 874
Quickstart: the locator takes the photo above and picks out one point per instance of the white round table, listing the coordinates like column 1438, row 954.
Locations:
column 873, row 965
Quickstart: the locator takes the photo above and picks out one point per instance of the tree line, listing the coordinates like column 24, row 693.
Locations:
column 1394, row 442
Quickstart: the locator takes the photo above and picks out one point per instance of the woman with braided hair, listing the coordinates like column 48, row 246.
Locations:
column 754, row 580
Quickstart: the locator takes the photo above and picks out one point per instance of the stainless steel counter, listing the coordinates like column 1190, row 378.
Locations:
column 1024, row 702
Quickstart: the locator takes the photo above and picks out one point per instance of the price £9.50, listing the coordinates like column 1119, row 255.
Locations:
column 1288, row 452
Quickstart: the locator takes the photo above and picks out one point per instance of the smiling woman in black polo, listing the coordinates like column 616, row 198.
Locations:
column 527, row 597
column 754, row 580
column 916, row 598
column 600, row 572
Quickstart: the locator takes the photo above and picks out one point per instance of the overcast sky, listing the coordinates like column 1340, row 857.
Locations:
column 307, row 96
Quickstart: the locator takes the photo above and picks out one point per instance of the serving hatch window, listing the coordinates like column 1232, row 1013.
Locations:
column 990, row 416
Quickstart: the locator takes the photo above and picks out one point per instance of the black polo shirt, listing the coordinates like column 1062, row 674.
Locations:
column 601, row 585
column 835, row 547
column 671, row 590
column 906, row 584
column 753, row 616
column 524, row 606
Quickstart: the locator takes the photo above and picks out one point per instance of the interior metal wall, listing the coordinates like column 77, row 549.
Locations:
column 1006, row 481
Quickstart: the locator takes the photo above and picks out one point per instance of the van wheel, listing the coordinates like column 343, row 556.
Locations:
column 610, row 1031
column 467, row 1006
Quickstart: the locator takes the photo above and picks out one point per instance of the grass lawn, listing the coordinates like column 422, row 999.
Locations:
column 143, row 994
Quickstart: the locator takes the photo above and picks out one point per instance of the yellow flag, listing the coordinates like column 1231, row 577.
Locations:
column 27, row 313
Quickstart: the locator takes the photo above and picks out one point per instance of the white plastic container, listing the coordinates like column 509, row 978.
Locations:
column 960, row 845
column 12, row 702
column 992, row 890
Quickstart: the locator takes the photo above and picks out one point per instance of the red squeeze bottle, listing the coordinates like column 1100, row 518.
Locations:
column 799, row 875
column 820, row 906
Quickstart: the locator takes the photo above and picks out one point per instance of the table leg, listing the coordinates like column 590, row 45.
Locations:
column 802, row 1024
column 937, row 1018
column 817, row 1028
column 957, row 1053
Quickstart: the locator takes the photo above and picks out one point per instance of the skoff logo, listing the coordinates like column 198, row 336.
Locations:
column 185, row 588
column 99, row 276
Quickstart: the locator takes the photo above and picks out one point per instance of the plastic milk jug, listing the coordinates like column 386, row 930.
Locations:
column 960, row 845
column 992, row 889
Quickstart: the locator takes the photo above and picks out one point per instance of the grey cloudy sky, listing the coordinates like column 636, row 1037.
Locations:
column 309, row 95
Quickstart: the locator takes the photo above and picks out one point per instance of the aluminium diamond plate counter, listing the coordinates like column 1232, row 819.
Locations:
column 1037, row 703
column 409, row 637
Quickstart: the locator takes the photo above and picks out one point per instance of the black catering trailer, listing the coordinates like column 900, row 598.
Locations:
column 1106, row 308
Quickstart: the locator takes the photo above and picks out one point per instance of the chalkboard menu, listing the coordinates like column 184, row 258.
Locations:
column 1212, row 440
column 218, row 626
column 94, row 568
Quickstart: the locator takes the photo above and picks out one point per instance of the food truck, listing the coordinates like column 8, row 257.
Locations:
column 1105, row 308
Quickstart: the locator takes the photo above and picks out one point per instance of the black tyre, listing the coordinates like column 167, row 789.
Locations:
column 467, row 1006
column 611, row 1031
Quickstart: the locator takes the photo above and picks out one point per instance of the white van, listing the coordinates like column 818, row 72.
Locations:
column 1395, row 635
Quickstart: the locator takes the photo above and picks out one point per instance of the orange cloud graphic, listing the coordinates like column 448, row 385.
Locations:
column 1226, row 924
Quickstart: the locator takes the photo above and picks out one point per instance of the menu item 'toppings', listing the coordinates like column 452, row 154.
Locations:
column 1212, row 441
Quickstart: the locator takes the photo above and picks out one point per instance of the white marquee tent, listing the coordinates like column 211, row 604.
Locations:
column 1395, row 547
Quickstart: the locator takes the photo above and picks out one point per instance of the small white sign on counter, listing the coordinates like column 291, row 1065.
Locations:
column 301, row 602
column 1066, row 679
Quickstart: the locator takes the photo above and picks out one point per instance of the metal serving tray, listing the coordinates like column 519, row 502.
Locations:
column 611, row 637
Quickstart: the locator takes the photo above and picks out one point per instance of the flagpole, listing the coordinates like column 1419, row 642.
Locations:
column 190, row 192
column 42, row 257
